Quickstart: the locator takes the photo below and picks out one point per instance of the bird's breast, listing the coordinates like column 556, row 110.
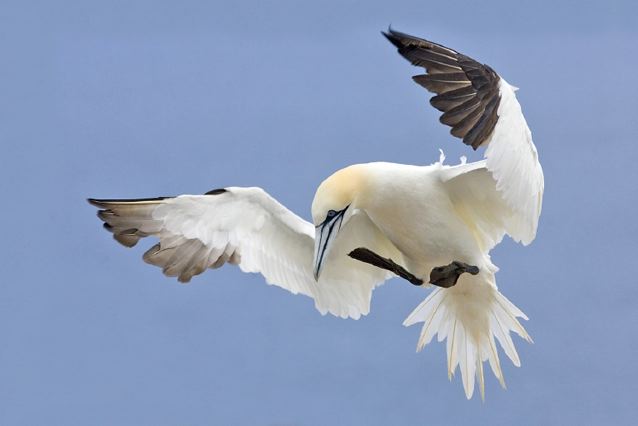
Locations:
column 418, row 217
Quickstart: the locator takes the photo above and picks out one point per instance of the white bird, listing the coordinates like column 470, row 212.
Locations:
column 427, row 224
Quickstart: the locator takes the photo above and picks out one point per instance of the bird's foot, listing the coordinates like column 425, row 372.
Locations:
column 447, row 276
column 441, row 276
column 368, row 256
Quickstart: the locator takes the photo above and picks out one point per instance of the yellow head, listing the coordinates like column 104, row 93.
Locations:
column 333, row 205
column 338, row 191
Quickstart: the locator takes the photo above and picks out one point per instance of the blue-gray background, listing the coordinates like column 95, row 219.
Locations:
column 134, row 99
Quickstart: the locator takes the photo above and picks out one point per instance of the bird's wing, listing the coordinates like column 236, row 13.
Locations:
column 482, row 109
column 243, row 226
column 473, row 194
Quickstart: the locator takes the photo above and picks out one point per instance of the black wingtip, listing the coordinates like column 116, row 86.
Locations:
column 94, row 202
column 217, row 191
column 391, row 35
column 106, row 201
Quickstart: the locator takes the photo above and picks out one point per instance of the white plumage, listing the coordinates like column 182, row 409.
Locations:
column 420, row 217
column 513, row 160
column 247, row 227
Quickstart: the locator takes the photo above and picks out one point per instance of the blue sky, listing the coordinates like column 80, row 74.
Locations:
column 146, row 98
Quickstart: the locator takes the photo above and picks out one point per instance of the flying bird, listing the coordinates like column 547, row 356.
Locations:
column 432, row 225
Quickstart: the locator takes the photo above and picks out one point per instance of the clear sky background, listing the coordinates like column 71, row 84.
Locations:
column 147, row 98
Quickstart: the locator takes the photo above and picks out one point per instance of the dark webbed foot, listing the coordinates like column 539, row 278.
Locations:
column 442, row 276
column 447, row 276
column 370, row 257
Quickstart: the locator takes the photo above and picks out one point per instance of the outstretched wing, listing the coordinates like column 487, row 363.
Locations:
column 243, row 226
column 482, row 109
column 467, row 91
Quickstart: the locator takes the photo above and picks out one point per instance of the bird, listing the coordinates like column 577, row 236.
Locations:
column 431, row 225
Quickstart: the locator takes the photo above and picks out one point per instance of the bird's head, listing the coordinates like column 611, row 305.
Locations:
column 335, row 202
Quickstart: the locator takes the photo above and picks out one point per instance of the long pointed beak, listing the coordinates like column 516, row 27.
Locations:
column 325, row 235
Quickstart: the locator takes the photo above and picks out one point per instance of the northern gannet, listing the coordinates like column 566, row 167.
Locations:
column 432, row 225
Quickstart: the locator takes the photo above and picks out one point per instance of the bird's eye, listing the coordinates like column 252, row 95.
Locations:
column 331, row 214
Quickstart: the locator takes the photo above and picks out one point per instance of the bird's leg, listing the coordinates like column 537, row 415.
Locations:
column 442, row 276
column 447, row 276
column 370, row 257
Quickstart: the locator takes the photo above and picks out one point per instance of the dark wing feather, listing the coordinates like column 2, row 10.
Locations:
column 467, row 92
column 177, row 255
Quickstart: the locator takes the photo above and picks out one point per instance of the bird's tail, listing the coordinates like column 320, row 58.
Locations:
column 470, row 315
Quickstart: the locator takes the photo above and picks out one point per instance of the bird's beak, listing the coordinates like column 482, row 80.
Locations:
column 325, row 234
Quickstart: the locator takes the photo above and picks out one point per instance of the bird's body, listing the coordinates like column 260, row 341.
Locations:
column 434, row 223
column 413, row 210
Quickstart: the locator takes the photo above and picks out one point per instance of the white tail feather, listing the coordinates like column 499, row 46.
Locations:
column 470, row 315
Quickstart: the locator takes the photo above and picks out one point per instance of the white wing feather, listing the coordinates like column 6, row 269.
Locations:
column 513, row 161
column 502, row 194
column 248, row 227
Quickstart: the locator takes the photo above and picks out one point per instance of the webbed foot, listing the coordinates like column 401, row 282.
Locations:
column 441, row 276
column 447, row 276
